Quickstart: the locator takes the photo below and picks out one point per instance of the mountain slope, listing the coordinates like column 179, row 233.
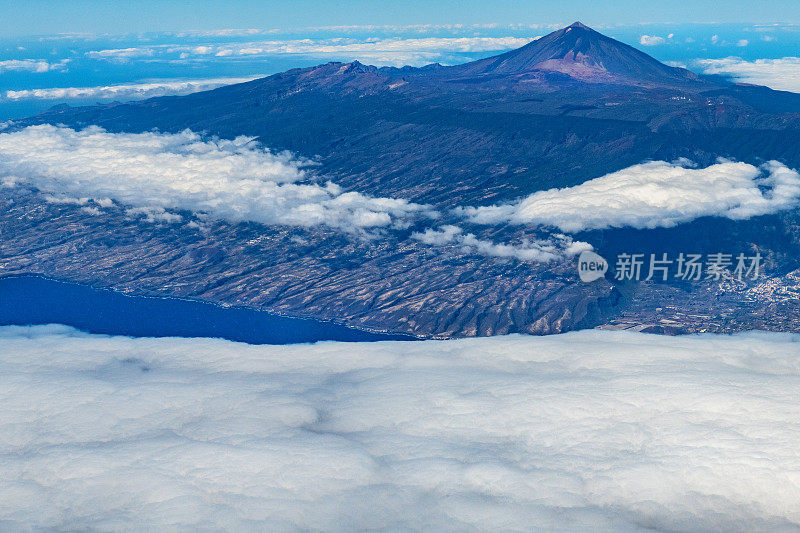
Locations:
column 582, row 53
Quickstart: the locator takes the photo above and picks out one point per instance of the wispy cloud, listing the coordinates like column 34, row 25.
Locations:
column 542, row 250
column 32, row 65
column 230, row 32
column 331, row 46
column 121, row 54
column 586, row 431
column 428, row 28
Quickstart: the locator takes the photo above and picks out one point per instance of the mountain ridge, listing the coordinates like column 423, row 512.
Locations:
column 581, row 53
column 576, row 51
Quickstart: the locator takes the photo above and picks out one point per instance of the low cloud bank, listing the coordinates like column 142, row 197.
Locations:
column 384, row 51
column 130, row 91
column 654, row 194
column 782, row 74
column 153, row 175
column 230, row 179
column 585, row 431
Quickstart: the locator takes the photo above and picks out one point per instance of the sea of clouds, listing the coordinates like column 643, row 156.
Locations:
column 593, row 430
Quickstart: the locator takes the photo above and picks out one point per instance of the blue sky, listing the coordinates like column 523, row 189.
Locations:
column 56, row 16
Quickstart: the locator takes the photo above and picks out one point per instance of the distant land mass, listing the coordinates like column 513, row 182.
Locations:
column 564, row 109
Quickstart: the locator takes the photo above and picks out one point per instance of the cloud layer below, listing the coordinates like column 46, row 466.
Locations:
column 782, row 74
column 655, row 194
column 384, row 51
column 128, row 91
column 228, row 179
column 585, row 431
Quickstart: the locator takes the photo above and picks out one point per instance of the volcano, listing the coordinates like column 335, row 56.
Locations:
column 582, row 53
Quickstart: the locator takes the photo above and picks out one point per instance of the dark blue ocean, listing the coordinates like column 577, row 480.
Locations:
column 32, row 300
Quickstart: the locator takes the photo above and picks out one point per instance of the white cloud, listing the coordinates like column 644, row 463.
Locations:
column 651, row 40
column 655, row 194
column 340, row 45
column 94, row 211
column 778, row 26
column 427, row 28
column 153, row 215
column 581, row 432
column 742, row 43
column 64, row 200
column 32, row 65
column 121, row 54
column 230, row 179
column 782, row 74
column 72, row 36
column 439, row 237
column 152, row 175
column 714, row 39
column 336, row 45
column 390, row 51
column 536, row 251
column 128, row 91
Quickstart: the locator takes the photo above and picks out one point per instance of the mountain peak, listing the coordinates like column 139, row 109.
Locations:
column 579, row 24
column 582, row 54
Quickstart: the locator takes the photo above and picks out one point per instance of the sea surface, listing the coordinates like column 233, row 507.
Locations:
column 33, row 300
